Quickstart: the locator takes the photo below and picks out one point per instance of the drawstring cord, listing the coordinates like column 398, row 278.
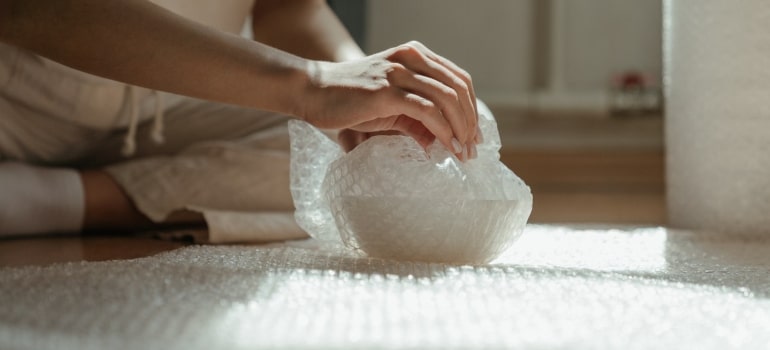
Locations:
column 129, row 142
column 157, row 126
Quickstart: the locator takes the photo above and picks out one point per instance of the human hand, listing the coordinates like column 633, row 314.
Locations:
column 350, row 139
column 408, row 89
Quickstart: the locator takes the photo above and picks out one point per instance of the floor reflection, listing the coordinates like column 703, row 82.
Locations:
column 632, row 250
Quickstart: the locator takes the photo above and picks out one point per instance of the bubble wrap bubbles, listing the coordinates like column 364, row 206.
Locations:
column 559, row 288
column 717, row 82
column 390, row 199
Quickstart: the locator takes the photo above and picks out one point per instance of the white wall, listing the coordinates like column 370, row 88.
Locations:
column 605, row 37
column 489, row 38
column 495, row 39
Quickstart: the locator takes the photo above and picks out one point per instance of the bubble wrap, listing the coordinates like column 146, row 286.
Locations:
column 717, row 80
column 558, row 288
column 390, row 198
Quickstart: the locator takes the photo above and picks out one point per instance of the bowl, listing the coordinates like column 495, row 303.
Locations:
column 458, row 231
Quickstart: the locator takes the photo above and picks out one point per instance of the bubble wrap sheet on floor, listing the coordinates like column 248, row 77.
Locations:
column 557, row 288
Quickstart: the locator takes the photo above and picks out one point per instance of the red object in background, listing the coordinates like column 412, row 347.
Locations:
column 631, row 80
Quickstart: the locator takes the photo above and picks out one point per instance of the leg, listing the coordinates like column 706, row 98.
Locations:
column 113, row 197
column 218, row 160
column 37, row 200
column 247, row 175
column 107, row 206
column 43, row 200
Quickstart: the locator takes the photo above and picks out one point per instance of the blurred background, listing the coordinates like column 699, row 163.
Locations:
column 575, row 86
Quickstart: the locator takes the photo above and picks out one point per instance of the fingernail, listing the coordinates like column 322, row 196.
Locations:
column 473, row 152
column 479, row 135
column 465, row 154
column 456, row 146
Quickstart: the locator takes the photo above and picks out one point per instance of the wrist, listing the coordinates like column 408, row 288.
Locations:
column 307, row 88
column 282, row 82
column 300, row 88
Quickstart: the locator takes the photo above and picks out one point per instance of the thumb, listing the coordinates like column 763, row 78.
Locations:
column 414, row 129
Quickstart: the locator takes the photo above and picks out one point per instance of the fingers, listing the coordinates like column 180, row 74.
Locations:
column 349, row 139
column 424, row 62
column 419, row 63
column 462, row 74
column 442, row 96
column 408, row 88
column 415, row 130
column 458, row 72
column 427, row 113
column 393, row 125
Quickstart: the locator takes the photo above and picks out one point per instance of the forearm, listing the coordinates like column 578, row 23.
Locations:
column 307, row 28
column 408, row 88
column 137, row 42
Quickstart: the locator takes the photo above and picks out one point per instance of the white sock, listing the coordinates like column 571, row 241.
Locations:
column 39, row 200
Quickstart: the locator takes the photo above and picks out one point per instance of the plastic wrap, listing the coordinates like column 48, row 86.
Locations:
column 559, row 288
column 390, row 198
column 717, row 83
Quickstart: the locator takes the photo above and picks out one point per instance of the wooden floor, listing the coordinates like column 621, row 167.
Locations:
column 48, row 250
column 587, row 169
column 593, row 186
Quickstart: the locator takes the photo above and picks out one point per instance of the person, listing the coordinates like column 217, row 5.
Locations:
column 130, row 114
